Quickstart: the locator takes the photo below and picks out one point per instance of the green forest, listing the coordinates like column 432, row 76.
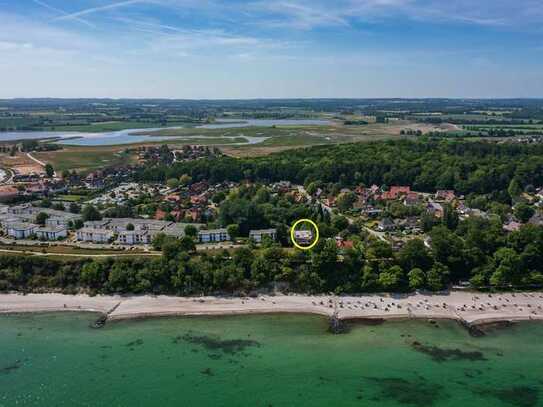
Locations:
column 468, row 167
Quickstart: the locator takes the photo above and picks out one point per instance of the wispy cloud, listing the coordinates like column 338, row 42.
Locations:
column 310, row 14
column 62, row 12
column 94, row 10
column 164, row 38
column 300, row 15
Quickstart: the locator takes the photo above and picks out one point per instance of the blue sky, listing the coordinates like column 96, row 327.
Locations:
column 285, row 48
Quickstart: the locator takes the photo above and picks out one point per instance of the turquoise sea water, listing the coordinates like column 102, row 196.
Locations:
column 273, row 360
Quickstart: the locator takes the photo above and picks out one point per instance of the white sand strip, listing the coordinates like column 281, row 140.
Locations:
column 473, row 308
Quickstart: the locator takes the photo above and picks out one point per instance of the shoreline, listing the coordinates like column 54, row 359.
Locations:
column 468, row 308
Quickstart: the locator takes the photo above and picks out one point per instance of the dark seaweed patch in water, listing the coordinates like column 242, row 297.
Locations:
column 519, row 396
column 228, row 346
column 10, row 368
column 443, row 355
column 471, row 373
column 416, row 392
column 137, row 342
column 208, row 372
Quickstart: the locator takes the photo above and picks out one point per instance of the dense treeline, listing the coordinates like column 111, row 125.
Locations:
column 477, row 250
column 467, row 167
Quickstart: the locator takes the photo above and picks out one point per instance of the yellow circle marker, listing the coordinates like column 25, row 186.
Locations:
column 293, row 228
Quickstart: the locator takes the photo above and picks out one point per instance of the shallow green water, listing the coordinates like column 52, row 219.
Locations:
column 57, row 360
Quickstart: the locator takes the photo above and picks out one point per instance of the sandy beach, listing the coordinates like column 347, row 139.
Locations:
column 467, row 307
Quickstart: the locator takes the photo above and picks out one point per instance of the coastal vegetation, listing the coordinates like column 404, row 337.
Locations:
column 476, row 250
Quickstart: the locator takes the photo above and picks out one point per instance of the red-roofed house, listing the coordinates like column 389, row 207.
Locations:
column 160, row 214
column 199, row 200
column 445, row 195
column 8, row 192
column 172, row 198
column 344, row 244
column 395, row 192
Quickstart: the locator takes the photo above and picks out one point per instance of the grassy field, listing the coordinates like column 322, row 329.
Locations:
column 86, row 158
column 71, row 198
column 308, row 135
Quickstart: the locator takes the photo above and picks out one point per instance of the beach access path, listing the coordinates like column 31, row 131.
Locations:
column 471, row 308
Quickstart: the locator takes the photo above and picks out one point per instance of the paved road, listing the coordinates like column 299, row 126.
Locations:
column 35, row 160
column 39, row 162
column 35, row 248
column 120, row 254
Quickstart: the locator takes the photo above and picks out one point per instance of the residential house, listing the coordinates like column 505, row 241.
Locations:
column 195, row 214
column 172, row 198
column 51, row 233
column 258, row 235
column 8, row 193
column 199, row 199
column 411, row 199
column 445, row 195
column 512, row 226
column 434, row 208
column 7, row 220
column 65, row 220
column 94, row 235
column 134, row 237
column 303, row 237
column 343, row 244
column 118, row 225
column 21, row 230
column 395, row 192
column 330, row 201
column 29, row 213
column 411, row 224
column 178, row 229
column 374, row 189
column 160, row 214
column 282, row 186
column 97, row 224
column 386, row 225
column 198, row 187
column 371, row 211
column 215, row 235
